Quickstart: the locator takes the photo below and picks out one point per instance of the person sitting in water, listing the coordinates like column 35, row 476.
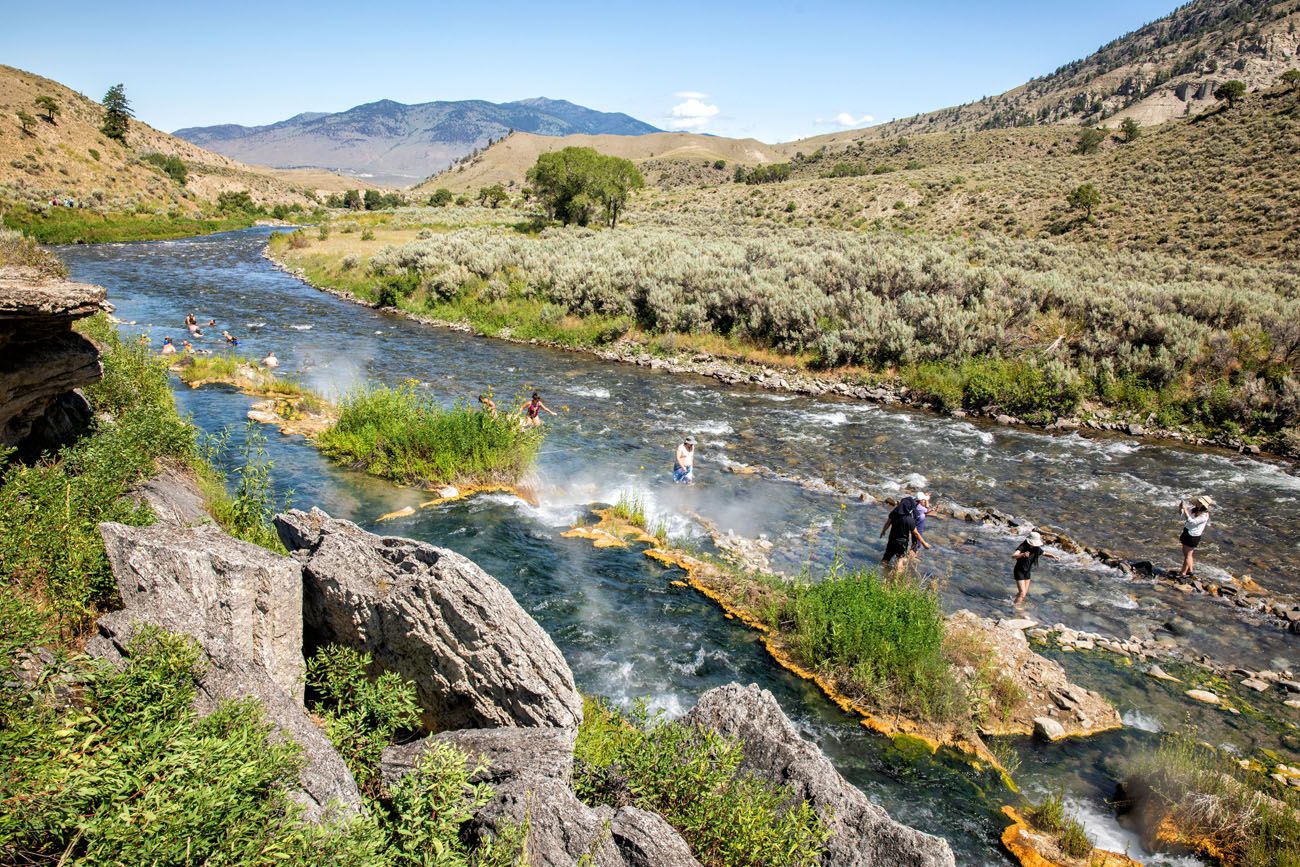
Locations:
column 1026, row 558
column 489, row 405
column 532, row 410
column 187, row 346
column 271, row 361
column 194, row 330
column 684, row 462
column 212, row 323
column 191, row 321
column 230, row 338
column 1196, row 517
column 901, row 527
column 168, row 348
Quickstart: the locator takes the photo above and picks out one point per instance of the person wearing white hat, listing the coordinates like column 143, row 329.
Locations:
column 1196, row 517
column 922, row 509
column 684, row 462
column 1026, row 558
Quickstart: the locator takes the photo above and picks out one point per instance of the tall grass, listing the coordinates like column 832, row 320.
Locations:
column 631, row 508
column 883, row 639
column 407, row 436
column 1209, row 797
column 83, row 226
column 693, row 779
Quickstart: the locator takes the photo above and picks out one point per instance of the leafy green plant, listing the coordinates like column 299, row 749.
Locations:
column 361, row 715
column 172, row 166
column 631, row 508
column 246, row 512
column 692, row 778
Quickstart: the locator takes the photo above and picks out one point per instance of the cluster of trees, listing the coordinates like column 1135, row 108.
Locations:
column 573, row 183
column 493, row 196
column 768, row 174
column 373, row 200
column 117, row 114
column 172, row 166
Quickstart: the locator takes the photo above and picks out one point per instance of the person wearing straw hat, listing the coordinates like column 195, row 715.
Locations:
column 684, row 462
column 1196, row 517
column 1026, row 558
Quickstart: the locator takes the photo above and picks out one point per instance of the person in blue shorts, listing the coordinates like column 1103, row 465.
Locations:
column 684, row 462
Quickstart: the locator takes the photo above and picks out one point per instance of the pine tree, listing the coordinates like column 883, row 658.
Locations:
column 117, row 113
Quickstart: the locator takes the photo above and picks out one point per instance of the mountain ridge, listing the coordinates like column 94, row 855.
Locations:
column 400, row 144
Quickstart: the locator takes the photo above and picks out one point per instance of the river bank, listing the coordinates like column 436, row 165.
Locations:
column 854, row 385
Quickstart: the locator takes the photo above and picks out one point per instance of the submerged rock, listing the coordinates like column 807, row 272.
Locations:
column 862, row 833
column 476, row 657
column 243, row 604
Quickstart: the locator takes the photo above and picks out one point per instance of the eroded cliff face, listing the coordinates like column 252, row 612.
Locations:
column 43, row 361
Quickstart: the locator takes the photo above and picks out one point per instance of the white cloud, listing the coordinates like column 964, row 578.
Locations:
column 694, row 113
column 845, row 119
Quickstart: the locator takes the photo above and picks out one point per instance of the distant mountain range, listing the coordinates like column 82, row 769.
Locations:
column 390, row 143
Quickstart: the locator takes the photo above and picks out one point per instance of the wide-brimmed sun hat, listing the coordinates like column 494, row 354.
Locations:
column 1035, row 540
column 690, row 441
column 1204, row 502
column 922, row 497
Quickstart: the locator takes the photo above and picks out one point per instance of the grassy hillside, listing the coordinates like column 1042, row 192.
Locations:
column 119, row 191
column 506, row 161
column 1166, row 69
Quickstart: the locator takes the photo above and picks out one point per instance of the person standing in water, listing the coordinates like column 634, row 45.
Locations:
column 1026, row 558
column 922, row 509
column 489, row 405
column 271, row 361
column 168, row 348
column 903, row 533
column 533, row 409
column 684, row 462
column 1196, row 517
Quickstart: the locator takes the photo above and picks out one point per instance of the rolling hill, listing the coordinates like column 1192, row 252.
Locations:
column 506, row 161
column 70, row 157
column 395, row 144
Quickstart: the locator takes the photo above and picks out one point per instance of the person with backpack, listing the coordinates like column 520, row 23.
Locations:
column 901, row 527
column 1196, row 517
column 1026, row 558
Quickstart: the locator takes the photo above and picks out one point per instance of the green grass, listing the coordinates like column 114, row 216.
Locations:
column 404, row 435
column 1069, row 834
column 631, row 508
column 882, row 639
column 693, row 779
column 19, row 251
column 82, row 226
column 1209, row 797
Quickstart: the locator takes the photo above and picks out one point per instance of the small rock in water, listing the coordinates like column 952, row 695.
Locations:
column 1204, row 696
column 448, row 493
column 1180, row 625
column 1016, row 623
column 1049, row 729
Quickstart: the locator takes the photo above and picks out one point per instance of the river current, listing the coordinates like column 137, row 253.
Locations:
column 628, row 634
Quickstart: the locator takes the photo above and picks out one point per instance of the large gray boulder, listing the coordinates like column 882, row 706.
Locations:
column 530, row 770
column 174, row 498
column 243, row 604
column 862, row 833
column 477, row 659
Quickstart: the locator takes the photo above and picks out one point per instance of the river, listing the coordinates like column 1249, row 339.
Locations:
column 628, row 634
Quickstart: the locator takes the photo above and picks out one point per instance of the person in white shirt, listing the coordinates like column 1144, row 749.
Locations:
column 271, row 361
column 1196, row 517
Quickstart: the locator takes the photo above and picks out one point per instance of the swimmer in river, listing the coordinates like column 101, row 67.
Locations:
column 489, row 405
column 230, row 338
column 168, row 347
column 533, row 409
column 271, row 361
column 187, row 346
column 684, row 462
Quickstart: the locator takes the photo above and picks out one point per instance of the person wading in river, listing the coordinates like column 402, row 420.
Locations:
column 901, row 527
column 489, row 405
column 1196, row 517
column 922, row 509
column 533, row 409
column 684, row 462
column 1026, row 558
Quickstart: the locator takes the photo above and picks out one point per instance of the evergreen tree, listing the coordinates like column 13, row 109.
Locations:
column 47, row 105
column 1230, row 91
column 1085, row 197
column 26, row 121
column 1130, row 129
column 1089, row 141
column 117, row 113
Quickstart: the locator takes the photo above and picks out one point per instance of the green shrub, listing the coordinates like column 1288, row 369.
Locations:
column 172, row 166
column 631, row 508
column 19, row 251
column 246, row 513
column 1049, row 816
column 1074, row 840
column 884, row 639
column 692, row 778
column 404, row 435
column 361, row 715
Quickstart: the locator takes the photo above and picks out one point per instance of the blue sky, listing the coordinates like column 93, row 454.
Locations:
column 774, row 71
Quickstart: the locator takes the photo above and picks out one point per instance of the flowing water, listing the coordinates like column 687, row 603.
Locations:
column 629, row 634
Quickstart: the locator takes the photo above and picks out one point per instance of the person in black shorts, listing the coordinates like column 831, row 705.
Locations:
column 901, row 527
column 1196, row 517
column 1026, row 558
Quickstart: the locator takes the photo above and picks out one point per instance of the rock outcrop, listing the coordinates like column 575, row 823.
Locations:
column 42, row 360
column 478, row 660
column 243, row 604
column 862, row 833
column 530, row 770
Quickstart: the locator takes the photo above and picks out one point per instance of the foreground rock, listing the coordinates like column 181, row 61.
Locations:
column 861, row 832
column 42, row 360
column 477, row 659
column 243, row 604
column 530, row 771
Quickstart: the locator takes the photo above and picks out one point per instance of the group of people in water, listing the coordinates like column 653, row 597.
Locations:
column 529, row 414
column 169, row 346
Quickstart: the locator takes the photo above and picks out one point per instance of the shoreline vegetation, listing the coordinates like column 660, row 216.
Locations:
column 1033, row 332
column 398, row 433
